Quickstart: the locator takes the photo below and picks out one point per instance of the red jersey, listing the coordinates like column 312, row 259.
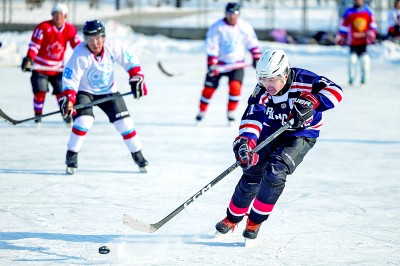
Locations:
column 48, row 45
column 358, row 26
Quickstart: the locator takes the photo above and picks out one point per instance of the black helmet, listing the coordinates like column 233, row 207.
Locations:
column 232, row 8
column 93, row 28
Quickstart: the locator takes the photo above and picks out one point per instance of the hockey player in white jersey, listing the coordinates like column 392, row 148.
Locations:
column 89, row 76
column 226, row 43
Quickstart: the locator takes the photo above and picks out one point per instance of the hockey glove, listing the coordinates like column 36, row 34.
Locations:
column 212, row 71
column 242, row 147
column 256, row 55
column 26, row 64
column 302, row 111
column 371, row 36
column 255, row 61
column 66, row 106
column 138, row 86
column 340, row 39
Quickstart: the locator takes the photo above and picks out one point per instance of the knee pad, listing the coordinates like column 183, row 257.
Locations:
column 206, row 96
column 248, row 186
column 235, row 88
column 208, row 92
column 275, row 174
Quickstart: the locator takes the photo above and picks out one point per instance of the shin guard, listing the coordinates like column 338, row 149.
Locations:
column 128, row 132
column 235, row 88
column 81, row 127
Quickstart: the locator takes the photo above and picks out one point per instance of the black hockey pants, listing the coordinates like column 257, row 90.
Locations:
column 265, row 181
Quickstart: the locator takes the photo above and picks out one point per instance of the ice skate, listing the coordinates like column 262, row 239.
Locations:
column 68, row 121
column 224, row 227
column 231, row 119
column 38, row 122
column 72, row 162
column 251, row 230
column 140, row 161
column 199, row 117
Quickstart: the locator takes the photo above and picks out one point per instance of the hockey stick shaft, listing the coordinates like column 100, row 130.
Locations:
column 12, row 121
column 37, row 67
column 150, row 228
column 44, row 68
column 221, row 68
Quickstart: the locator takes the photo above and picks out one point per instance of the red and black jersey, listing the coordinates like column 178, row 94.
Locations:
column 49, row 43
column 358, row 25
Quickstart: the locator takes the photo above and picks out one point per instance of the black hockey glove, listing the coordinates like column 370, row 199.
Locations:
column 26, row 64
column 255, row 61
column 66, row 106
column 242, row 147
column 138, row 87
column 302, row 112
column 212, row 70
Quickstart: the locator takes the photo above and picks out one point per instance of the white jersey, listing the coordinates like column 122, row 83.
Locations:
column 86, row 72
column 393, row 17
column 229, row 43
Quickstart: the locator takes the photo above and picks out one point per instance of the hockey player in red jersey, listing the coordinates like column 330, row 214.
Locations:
column 282, row 93
column 226, row 43
column 45, row 56
column 358, row 30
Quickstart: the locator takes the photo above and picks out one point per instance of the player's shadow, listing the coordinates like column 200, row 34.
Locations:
column 62, row 172
column 9, row 243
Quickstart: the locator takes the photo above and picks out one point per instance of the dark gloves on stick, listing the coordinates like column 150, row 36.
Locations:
column 303, row 107
column 243, row 149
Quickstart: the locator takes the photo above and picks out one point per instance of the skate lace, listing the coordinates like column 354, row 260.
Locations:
column 229, row 224
column 250, row 226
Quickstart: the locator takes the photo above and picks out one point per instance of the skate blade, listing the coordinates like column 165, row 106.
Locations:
column 143, row 169
column 231, row 123
column 70, row 170
column 248, row 242
column 218, row 234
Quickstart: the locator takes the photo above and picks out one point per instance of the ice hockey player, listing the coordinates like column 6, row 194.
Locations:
column 226, row 43
column 281, row 94
column 89, row 76
column 358, row 30
column 45, row 57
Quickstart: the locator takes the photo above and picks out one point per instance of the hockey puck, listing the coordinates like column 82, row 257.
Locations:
column 104, row 250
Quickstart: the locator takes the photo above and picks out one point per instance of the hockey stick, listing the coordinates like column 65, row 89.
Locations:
column 45, row 68
column 222, row 68
column 12, row 121
column 37, row 67
column 151, row 228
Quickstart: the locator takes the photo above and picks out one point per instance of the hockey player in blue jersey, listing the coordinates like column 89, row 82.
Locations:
column 281, row 93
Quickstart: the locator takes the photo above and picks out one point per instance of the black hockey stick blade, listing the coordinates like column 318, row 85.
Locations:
column 138, row 225
column 12, row 121
column 163, row 70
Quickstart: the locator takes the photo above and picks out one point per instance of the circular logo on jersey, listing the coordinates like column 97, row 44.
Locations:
column 99, row 77
column 360, row 24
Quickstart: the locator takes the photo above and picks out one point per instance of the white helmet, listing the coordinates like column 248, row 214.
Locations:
column 59, row 7
column 271, row 64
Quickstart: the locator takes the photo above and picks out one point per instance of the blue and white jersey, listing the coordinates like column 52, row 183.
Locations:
column 229, row 43
column 95, row 74
column 266, row 113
